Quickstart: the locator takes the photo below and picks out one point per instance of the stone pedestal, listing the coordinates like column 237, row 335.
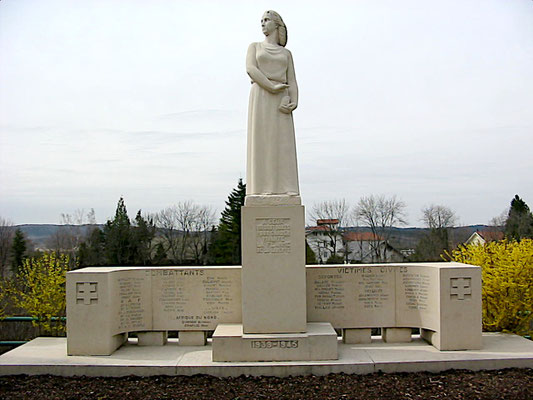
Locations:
column 273, row 269
column 274, row 308
column 319, row 342
column 192, row 338
column 396, row 335
column 357, row 336
column 155, row 338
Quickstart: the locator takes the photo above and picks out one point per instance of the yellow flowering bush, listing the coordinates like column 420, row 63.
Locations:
column 39, row 289
column 507, row 291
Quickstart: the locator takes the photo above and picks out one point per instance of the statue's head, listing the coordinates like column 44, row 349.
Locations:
column 280, row 26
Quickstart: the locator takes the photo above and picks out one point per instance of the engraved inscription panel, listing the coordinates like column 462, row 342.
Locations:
column 131, row 310
column 351, row 296
column 416, row 288
column 417, row 297
column 195, row 299
column 374, row 287
column 329, row 291
column 273, row 235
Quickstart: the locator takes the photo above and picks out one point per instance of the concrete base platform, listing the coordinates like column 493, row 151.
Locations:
column 319, row 342
column 49, row 356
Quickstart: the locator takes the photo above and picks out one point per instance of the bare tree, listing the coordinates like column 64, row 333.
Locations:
column 332, row 216
column 439, row 239
column 7, row 231
column 499, row 221
column 166, row 221
column 437, row 217
column 380, row 214
column 185, row 227
column 332, row 209
column 60, row 240
column 185, row 215
column 74, row 229
column 199, row 239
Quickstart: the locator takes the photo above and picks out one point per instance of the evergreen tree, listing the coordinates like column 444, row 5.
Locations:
column 519, row 222
column 310, row 257
column 160, row 257
column 143, row 233
column 225, row 247
column 119, row 247
column 18, row 251
column 91, row 252
column 213, row 246
column 122, row 242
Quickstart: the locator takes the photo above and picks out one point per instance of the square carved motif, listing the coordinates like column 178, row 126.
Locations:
column 461, row 288
column 86, row 293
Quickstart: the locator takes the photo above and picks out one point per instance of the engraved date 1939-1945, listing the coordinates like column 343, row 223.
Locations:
column 272, row 344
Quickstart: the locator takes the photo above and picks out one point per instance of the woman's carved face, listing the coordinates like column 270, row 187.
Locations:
column 268, row 25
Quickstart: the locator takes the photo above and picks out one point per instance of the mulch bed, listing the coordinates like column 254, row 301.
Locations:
column 516, row 384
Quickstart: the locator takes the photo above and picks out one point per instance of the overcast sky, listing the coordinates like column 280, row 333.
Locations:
column 429, row 100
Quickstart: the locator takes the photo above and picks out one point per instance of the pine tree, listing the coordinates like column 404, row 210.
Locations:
column 160, row 257
column 519, row 222
column 122, row 242
column 18, row 251
column 91, row 252
column 225, row 247
column 118, row 237
column 310, row 257
column 143, row 233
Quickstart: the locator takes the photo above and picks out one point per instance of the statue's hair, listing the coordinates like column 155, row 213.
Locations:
column 282, row 29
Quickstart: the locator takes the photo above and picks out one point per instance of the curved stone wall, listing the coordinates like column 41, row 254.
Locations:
column 105, row 303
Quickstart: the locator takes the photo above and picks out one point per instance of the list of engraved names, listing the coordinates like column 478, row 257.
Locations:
column 273, row 235
column 195, row 298
column 416, row 287
column 131, row 306
column 371, row 290
column 329, row 291
column 373, row 286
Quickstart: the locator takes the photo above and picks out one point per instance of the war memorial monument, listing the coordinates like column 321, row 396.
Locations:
column 273, row 315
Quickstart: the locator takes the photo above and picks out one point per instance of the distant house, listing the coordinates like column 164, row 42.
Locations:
column 408, row 252
column 324, row 239
column 484, row 236
column 367, row 247
column 363, row 247
column 328, row 238
column 327, row 222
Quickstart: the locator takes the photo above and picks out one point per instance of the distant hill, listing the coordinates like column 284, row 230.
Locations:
column 39, row 234
column 408, row 238
column 401, row 238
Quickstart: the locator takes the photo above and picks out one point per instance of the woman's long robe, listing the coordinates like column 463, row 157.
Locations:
column 271, row 152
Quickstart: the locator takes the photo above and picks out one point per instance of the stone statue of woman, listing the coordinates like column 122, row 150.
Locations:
column 271, row 155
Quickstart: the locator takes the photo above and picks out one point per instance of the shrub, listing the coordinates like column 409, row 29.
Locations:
column 39, row 289
column 507, row 292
